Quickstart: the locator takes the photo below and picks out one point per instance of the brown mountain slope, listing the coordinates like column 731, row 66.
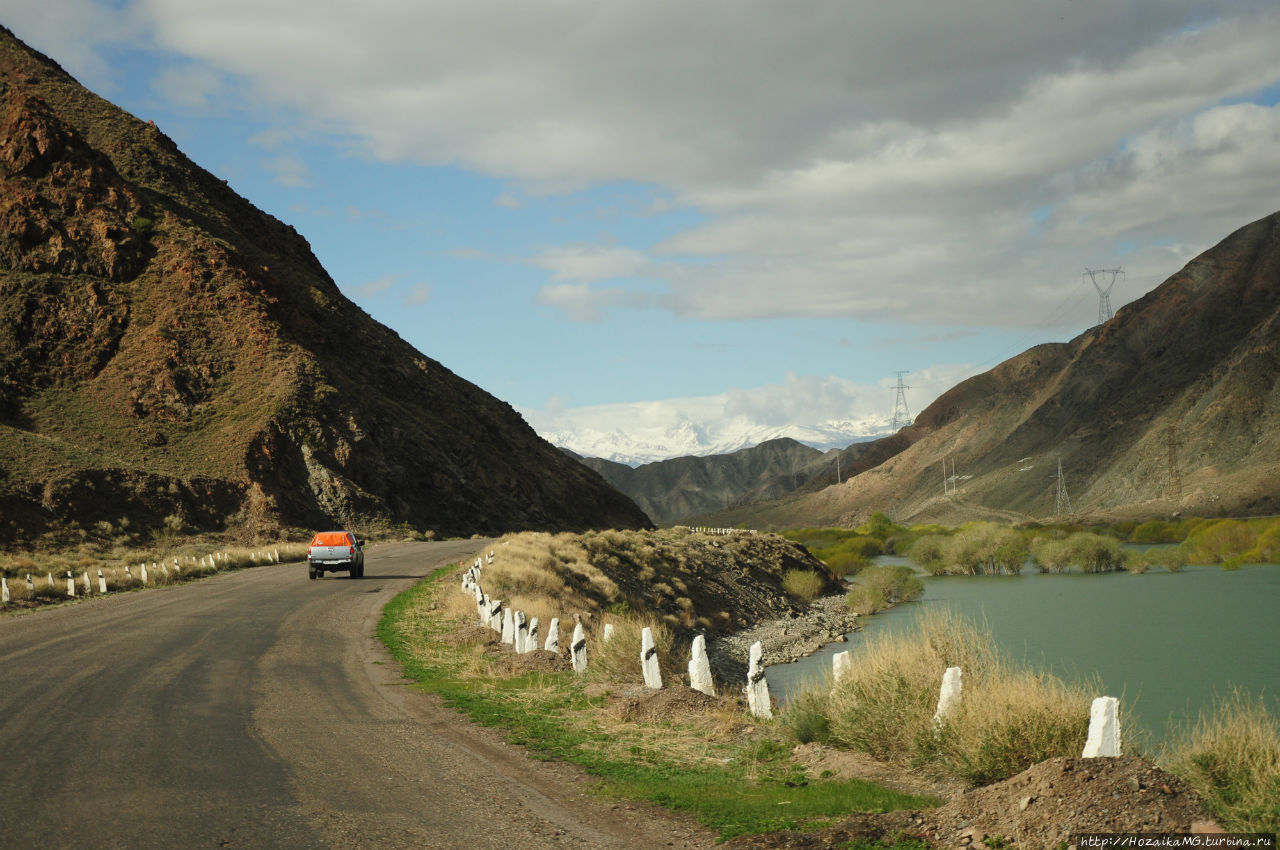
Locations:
column 1200, row 353
column 673, row 490
column 168, row 349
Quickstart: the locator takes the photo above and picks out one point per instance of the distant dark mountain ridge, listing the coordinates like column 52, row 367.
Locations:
column 1171, row 406
column 169, row 350
column 676, row 489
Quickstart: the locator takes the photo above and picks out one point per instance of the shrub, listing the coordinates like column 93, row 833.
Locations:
column 1155, row 531
column 802, row 584
column 928, row 553
column 1095, row 553
column 805, row 715
column 1231, row 757
column 1014, row 719
column 1052, row 555
column 986, row 548
column 879, row 587
column 618, row 659
column 1215, row 542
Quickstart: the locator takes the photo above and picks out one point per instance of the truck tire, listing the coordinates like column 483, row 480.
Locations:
column 311, row 572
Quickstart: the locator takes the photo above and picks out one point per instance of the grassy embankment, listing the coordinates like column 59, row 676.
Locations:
column 1230, row 755
column 705, row 756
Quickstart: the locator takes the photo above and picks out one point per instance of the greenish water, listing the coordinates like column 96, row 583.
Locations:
column 1164, row 642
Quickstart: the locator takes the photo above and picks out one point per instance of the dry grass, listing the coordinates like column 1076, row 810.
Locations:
column 1231, row 757
column 803, row 585
column 1007, row 720
column 162, row 568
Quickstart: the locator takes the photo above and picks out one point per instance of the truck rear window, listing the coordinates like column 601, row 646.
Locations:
column 331, row 538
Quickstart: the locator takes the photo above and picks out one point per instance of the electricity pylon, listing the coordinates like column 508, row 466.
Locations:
column 1063, row 500
column 901, row 416
column 1104, row 294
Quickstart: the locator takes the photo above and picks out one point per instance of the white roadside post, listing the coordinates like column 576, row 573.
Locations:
column 71, row 584
column 31, row 587
column 553, row 636
column 482, row 608
column 102, row 582
column 88, row 588
column 143, row 570
column 1104, row 729
column 531, row 640
column 578, row 649
column 128, row 574
column 164, row 570
column 757, row 685
column 4, row 590
column 508, row 627
column 841, row 664
column 495, row 615
column 700, row 667
column 649, row 660
column 948, row 695
column 608, row 633
column 521, row 635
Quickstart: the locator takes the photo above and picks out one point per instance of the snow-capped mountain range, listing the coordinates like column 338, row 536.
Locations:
column 688, row 438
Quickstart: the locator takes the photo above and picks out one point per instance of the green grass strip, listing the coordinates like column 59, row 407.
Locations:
column 756, row 790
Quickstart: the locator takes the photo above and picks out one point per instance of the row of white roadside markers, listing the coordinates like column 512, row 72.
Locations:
column 1104, row 725
column 268, row 557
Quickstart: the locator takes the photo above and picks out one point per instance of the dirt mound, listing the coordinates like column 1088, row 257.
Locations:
column 640, row 704
column 508, row 663
column 1041, row 808
column 1056, row 799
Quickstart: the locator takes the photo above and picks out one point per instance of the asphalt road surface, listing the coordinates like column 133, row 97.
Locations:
column 258, row 709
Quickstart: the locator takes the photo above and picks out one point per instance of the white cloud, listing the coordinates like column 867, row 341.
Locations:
column 372, row 288
column 649, row 430
column 418, row 295
column 288, row 170
column 588, row 263
column 910, row 160
column 192, row 88
column 508, row 201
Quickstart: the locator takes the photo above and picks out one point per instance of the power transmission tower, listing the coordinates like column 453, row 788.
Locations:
column 1175, row 477
column 948, row 483
column 901, row 416
column 1063, row 500
column 1104, row 294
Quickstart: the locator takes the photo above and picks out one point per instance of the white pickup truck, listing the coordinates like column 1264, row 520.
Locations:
column 335, row 551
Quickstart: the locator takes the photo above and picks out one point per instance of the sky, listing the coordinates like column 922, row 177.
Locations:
column 635, row 213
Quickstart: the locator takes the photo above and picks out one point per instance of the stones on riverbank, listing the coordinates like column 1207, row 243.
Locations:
column 826, row 621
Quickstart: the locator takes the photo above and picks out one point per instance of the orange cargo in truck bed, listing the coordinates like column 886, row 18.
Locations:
column 331, row 538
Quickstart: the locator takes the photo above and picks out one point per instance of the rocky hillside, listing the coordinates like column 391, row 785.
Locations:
column 1172, row 406
column 169, row 350
column 673, row 490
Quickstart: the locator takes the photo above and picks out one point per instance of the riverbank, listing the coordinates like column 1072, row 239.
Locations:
column 786, row 639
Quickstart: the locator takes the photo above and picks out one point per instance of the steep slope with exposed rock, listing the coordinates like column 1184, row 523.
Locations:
column 1171, row 406
column 169, row 350
column 673, row 490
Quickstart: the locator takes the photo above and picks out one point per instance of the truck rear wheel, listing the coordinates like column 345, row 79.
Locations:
column 311, row 572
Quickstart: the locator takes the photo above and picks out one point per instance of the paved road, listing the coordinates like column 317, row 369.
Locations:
column 257, row 709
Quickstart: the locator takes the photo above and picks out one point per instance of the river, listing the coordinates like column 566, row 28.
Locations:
column 1164, row 642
